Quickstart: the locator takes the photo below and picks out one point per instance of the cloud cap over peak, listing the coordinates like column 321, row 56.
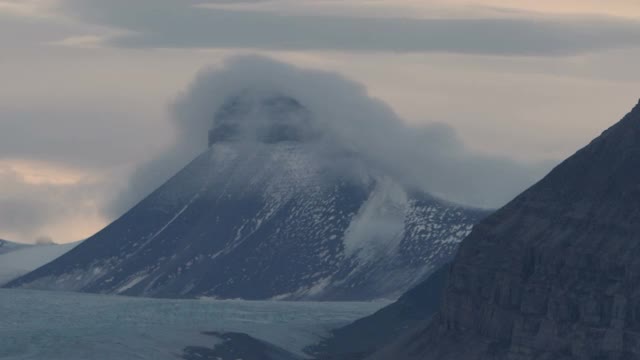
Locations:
column 429, row 157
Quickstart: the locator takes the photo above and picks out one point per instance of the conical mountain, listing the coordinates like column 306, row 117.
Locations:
column 273, row 209
column 555, row 274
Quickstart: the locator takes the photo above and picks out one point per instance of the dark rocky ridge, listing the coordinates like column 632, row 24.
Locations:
column 235, row 346
column 555, row 274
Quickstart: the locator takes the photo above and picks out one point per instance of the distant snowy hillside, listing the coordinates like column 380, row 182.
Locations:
column 276, row 208
column 8, row 246
column 25, row 258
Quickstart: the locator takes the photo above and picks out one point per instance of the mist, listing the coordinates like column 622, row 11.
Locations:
column 427, row 157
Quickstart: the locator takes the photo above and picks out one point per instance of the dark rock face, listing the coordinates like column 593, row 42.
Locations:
column 553, row 275
column 268, row 211
column 237, row 346
column 269, row 119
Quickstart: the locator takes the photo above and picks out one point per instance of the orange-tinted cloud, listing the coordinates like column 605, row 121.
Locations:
column 44, row 200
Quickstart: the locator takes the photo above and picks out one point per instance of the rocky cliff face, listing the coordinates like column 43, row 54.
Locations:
column 553, row 275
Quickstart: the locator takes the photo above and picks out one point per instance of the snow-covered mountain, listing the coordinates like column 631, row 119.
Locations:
column 19, row 259
column 275, row 208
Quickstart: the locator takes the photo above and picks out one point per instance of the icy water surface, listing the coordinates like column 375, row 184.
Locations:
column 69, row 326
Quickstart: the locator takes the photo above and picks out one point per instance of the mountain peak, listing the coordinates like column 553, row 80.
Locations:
column 262, row 117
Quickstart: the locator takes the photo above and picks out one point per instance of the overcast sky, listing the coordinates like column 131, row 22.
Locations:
column 87, row 85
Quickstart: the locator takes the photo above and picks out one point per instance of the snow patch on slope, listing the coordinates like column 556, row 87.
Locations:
column 133, row 282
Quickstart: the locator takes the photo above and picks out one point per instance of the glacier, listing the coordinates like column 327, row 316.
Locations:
column 72, row 326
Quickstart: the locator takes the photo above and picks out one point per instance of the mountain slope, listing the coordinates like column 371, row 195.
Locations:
column 273, row 209
column 554, row 274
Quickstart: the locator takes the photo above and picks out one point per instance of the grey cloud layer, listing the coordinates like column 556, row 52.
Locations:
column 73, row 135
column 27, row 210
column 179, row 24
column 431, row 157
